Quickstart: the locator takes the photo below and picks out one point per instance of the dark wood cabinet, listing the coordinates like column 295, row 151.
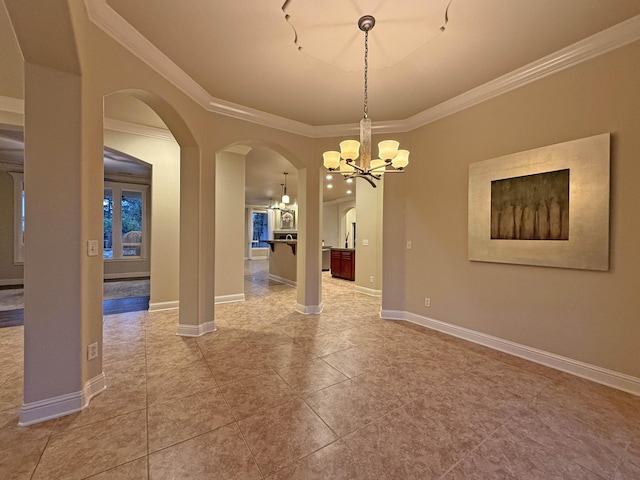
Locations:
column 343, row 263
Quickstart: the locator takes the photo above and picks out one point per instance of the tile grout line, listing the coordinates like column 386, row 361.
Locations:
column 146, row 391
column 235, row 420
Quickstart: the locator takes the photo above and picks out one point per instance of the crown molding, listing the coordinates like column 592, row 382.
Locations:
column 614, row 37
column 107, row 19
column 136, row 129
column 16, row 105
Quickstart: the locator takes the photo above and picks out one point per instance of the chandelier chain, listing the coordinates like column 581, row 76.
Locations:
column 366, row 71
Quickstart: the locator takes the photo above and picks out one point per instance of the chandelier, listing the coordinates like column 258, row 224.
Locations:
column 390, row 158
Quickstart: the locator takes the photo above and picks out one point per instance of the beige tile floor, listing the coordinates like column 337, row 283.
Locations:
column 342, row 395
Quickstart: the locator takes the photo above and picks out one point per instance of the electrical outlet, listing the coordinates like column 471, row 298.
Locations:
column 92, row 351
column 408, row 244
column 427, row 302
column 371, row 279
column 365, row 242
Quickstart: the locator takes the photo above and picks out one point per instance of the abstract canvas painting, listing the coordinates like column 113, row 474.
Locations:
column 548, row 206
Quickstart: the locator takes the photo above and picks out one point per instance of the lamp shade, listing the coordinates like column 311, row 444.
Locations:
column 387, row 149
column 401, row 160
column 331, row 159
column 345, row 168
column 285, row 199
column 349, row 149
column 378, row 166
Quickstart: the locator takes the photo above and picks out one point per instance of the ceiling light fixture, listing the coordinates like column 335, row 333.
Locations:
column 285, row 197
column 390, row 158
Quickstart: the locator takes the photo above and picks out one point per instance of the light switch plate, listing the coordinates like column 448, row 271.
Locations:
column 92, row 248
column 365, row 242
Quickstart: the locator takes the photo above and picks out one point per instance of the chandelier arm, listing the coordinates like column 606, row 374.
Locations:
column 358, row 167
column 366, row 177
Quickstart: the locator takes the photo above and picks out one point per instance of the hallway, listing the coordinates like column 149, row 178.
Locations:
column 341, row 395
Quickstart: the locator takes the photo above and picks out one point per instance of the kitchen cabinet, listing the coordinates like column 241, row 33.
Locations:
column 343, row 263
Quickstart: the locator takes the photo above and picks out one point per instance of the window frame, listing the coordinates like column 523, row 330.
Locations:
column 268, row 225
column 116, row 246
column 18, row 215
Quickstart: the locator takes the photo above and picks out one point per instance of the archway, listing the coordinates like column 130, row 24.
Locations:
column 134, row 128
column 230, row 253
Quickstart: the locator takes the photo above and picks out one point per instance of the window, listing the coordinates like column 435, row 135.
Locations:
column 129, row 213
column 18, row 216
column 124, row 221
column 260, row 229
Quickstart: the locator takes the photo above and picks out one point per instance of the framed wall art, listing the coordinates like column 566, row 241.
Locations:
column 287, row 220
column 548, row 206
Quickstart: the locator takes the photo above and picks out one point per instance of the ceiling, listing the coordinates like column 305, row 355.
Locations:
column 303, row 59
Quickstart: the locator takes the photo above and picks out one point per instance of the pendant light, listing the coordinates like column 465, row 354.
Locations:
column 285, row 197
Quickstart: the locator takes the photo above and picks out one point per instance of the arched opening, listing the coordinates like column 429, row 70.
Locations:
column 252, row 219
column 348, row 228
column 135, row 129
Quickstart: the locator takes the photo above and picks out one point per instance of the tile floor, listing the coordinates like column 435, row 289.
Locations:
column 342, row 395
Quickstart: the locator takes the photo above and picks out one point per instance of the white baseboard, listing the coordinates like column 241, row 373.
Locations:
column 611, row 378
column 18, row 282
column 196, row 330
column 238, row 297
column 309, row 309
column 111, row 276
column 50, row 408
column 161, row 306
column 286, row 281
column 368, row 291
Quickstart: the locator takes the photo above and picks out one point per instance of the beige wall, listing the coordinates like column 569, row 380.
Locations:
column 369, row 223
column 334, row 221
column 593, row 317
column 10, row 273
column 229, row 213
column 330, row 224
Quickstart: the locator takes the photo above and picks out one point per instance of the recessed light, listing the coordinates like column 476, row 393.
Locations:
column 349, row 180
column 329, row 177
column 329, row 186
column 348, row 192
